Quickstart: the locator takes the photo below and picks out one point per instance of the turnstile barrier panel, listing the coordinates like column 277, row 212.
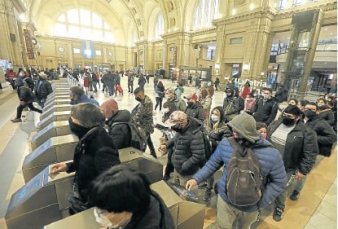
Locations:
column 61, row 107
column 54, row 129
column 39, row 202
column 142, row 162
column 56, row 149
column 56, row 116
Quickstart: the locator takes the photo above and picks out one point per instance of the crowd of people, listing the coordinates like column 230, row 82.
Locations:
column 278, row 139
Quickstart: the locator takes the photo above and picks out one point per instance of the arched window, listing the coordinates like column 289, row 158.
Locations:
column 159, row 27
column 206, row 11
column 83, row 24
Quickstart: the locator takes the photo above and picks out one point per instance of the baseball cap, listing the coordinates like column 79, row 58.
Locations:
column 191, row 96
column 177, row 118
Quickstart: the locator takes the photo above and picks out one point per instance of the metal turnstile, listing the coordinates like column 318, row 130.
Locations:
column 57, row 102
column 83, row 220
column 57, row 96
column 41, row 201
column 145, row 163
column 54, row 129
column 56, row 149
column 56, row 108
column 56, row 116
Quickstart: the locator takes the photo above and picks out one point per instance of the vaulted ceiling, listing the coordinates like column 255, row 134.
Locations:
column 126, row 17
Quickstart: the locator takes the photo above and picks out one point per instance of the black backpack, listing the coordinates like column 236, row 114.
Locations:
column 138, row 137
column 244, row 180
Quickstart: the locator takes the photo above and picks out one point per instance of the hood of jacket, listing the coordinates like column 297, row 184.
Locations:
column 194, row 125
column 245, row 124
column 120, row 116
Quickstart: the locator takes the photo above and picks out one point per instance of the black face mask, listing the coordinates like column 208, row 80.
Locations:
column 138, row 99
column 288, row 121
column 310, row 114
column 77, row 129
column 229, row 94
column 190, row 104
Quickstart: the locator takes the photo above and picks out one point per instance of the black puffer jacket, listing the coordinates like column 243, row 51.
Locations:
column 326, row 114
column 265, row 111
column 43, row 89
column 189, row 152
column 301, row 147
column 120, row 132
column 94, row 154
column 325, row 135
column 26, row 94
column 195, row 111
column 156, row 217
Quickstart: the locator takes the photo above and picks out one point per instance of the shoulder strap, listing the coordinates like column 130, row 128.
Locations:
column 235, row 145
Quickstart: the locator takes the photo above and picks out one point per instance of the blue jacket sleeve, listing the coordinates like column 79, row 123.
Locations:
column 213, row 164
column 276, row 183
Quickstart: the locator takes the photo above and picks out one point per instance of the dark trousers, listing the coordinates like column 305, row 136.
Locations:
column 20, row 108
column 151, row 145
column 158, row 102
column 169, row 167
column 130, row 88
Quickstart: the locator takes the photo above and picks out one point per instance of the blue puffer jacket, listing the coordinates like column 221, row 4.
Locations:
column 84, row 99
column 271, row 164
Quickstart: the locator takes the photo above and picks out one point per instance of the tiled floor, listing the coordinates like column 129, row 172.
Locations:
column 316, row 208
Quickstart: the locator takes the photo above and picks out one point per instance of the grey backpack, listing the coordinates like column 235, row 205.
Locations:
column 244, row 179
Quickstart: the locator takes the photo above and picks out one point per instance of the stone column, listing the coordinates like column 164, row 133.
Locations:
column 220, row 44
column 314, row 35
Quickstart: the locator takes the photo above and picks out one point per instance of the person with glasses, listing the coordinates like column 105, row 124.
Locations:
column 298, row 145
column 123, row 199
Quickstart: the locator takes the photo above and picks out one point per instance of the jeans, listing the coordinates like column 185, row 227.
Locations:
column 280, row 200
column 94, row 85
column 20, row 108
column 229, row 217
column 158, row 102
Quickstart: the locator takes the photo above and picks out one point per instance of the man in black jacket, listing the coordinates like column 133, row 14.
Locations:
column 326, row 137
column 298, row 146
column 94, row 154
column 26, row 97
column 266, row 107
column 231, row 105
column 43, row 89
column 194, row 108
column 188, row 145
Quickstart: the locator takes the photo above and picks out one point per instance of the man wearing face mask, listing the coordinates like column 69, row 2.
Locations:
column 266, row 107
column 77, row 96
column 188, row 145
column 94, row 153
column 271, row 165
column 231, row 105
column 116, row 121
column 326, row 137
column 194, row 108
column 142, row 116
column 298, row 145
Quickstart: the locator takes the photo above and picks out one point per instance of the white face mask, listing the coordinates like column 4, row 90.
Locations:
column 214, row 118
column 102, row 219
column 166, row 110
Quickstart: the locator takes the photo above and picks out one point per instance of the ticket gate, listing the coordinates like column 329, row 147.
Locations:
column 57, row 102
column 57, row 96
column 54, row 93
column 41, row 198
column 54, row 129
column 56, row 116
column 41, row 201
column 145, row 163
column 62, row 107
column 56, row 149
column 185, row 214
